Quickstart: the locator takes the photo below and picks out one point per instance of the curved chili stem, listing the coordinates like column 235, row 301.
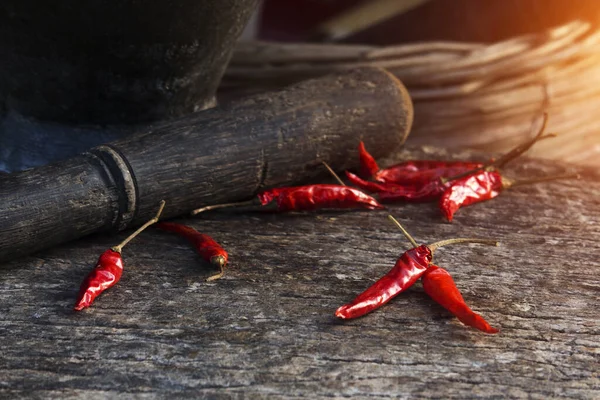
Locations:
column 511, row 184
column 410, row 238
column 434, row 246
column 523, row 147
column 333, row 173
column 224, row 205
column 221, row 262
column 118, row 248
column 511, row 155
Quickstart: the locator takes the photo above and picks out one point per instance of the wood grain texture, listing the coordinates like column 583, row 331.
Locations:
column 267, row 329
column 215, row 156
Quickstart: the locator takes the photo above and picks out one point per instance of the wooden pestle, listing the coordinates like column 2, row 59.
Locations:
column 214, row 156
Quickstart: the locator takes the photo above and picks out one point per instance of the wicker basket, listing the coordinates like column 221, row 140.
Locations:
column 465, row 94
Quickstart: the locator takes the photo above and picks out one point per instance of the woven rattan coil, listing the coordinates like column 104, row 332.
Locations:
column 473, row 95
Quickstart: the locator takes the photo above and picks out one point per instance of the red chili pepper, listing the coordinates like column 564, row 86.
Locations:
column 481, row 186
column 106, row 274
column 313, row 197
column 424, row 171
column 207, row 247
column 368, row 165
column 307, row 198
column 370, row 186
column 440, row 286
column 407, row 270
column 393, row 192
column 416, row 194
column 487, row 182
column 108, row 269
column 411, row 171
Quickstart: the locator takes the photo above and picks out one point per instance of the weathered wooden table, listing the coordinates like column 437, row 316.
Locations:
column 267, row 328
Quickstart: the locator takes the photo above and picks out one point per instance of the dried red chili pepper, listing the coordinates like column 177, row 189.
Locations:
column 486, row 183
column 108, row 269
column 407, row 270
column 307, row 198
column 426, row 171
column 422, row 181
column 368, row 165
column 411, row 171
column 106, row 273
column 313, row 197
column 370, row 186
column 413, row 264
column 392, row 192
column 411, row 181
column 207, row 247
column 440, row 286
column 482, row 186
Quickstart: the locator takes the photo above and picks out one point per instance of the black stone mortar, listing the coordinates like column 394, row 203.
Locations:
column 75, row 74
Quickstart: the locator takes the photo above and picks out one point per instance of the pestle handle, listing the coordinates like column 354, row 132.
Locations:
column 219, row 155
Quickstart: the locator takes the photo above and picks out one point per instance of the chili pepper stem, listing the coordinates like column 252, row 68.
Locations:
column 118, row 248
column 410, row 238
column 224, row 205
column 220, row 262
column 511, row 155
column 434, row 246
column 510, row 184
column 523, row 147
column 333, row 173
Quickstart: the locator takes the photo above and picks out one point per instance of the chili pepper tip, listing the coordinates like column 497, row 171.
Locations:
column 341, row 312
column 350, row 311
column 368, row 165
column 84, row 303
